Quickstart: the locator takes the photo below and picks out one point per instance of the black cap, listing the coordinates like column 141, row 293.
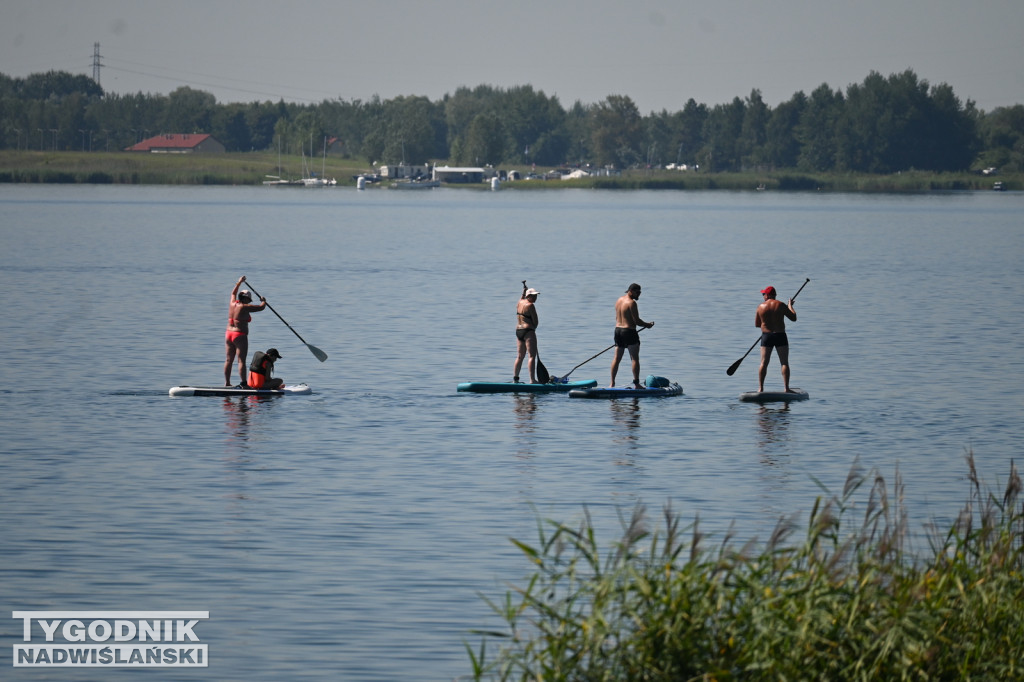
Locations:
column 273, row 353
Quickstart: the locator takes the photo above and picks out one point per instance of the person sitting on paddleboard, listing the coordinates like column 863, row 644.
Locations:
column 236, row 339
column 771, row 318
column 526, row 334
column 262, row 369
column 627, row 317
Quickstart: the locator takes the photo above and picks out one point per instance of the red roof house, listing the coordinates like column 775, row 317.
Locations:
column 178, row 143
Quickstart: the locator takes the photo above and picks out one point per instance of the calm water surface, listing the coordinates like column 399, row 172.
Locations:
column 348, row 534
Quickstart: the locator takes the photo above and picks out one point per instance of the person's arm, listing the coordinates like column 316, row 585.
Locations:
column 534, row 315
column 757, row 318
column 635, row 311
column 791, row 311
column 238, row 284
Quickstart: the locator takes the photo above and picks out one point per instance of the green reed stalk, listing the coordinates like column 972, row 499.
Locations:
column 835, row 605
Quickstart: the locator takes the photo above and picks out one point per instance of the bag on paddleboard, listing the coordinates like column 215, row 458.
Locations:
column 656, row 382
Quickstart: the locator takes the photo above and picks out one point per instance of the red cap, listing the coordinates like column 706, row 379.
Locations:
column 768, row 290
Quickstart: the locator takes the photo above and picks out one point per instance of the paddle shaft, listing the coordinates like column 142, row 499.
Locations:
column 596, row 355
column 734, row 366
column 321, row 356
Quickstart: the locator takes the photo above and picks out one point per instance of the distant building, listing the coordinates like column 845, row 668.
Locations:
column 335, row 147
column 458, row 175
column 400, row 172
column 179, row 143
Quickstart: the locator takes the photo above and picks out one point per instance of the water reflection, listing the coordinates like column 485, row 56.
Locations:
column 772, row 431
column 524, row 411
column 238, row 414
column 626, row 417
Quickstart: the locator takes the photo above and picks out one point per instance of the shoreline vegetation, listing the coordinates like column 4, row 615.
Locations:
column 839, row 603
column 253, row 168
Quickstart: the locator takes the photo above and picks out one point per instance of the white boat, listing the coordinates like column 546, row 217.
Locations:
column 277, row 180
column 310, row 180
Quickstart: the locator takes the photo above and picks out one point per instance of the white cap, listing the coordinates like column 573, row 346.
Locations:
column 531, row 292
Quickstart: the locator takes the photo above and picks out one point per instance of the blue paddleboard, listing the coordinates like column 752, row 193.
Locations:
column 511, row 387
column 624, row 392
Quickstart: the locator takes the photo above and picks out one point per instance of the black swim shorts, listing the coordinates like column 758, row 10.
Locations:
column 523, row 332
column 774, row 339
column 626, row 337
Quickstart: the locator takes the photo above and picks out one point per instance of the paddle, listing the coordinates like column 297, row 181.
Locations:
column 594, row 356
column 736, row 365
column 320, row 355
column 542, row 371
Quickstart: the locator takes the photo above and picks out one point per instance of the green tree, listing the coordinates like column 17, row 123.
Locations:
column 817, row 128
column 782, row 148
column 231, row 128
column 1002, row 137
column 188, row 111
column 617, row 132
column 721, row 134
column 753, row 131
column 486, row 141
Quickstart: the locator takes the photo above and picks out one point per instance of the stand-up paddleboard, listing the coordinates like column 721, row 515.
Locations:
column 774, row 396
column 511, row 387
column 295, row 389
column 625, row 392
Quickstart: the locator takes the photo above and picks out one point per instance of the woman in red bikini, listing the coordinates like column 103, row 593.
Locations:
column 236, row 339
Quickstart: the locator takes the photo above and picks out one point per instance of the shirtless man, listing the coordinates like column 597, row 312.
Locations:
column 771, row 318
column 626, row 336
column 526, row 333
column 236, row 339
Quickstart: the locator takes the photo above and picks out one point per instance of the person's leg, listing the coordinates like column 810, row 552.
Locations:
column 634, row 357
column 520, row 354
column 230, row 350
column 762, row 371
column 274, row 384
column 783, row 352
column 615, row 363
column 531, row 349
column 242, row 343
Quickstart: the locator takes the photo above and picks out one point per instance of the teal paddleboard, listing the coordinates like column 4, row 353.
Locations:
column 511, row 387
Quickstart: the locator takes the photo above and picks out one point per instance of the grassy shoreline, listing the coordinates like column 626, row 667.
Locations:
column 252, row 168
column 835, row 603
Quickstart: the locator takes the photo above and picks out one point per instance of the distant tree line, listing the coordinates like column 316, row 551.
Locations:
column 882, row 125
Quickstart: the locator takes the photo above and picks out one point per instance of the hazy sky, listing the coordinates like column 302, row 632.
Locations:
column 660, row 53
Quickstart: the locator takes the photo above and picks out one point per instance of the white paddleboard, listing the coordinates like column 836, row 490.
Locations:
column 295, row 389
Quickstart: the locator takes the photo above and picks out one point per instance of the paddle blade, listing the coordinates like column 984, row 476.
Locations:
column 734, row 366
column 542, row 372
column 320, row 355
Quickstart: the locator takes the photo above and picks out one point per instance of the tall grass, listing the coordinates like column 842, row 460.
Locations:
column 831, row 604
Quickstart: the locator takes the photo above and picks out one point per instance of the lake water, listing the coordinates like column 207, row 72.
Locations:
column 349, row 534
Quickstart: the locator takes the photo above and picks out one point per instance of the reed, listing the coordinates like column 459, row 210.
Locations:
column 832, row 604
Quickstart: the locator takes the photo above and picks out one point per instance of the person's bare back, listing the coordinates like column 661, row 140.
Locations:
column 771, row 315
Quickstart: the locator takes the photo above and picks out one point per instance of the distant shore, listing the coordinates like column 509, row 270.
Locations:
column 253, row 168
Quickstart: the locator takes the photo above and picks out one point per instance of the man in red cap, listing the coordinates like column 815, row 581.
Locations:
column 771, row 318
